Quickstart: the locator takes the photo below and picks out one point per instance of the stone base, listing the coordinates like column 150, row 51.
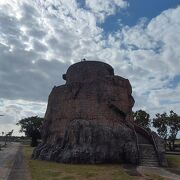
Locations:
column 87, row 142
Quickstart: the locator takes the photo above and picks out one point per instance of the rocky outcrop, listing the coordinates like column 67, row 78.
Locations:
column 89, row 119
column 87, row 142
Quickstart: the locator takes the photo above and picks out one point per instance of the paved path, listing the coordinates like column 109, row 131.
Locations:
column 12, row 164
column 158, row 171
column 19, row 168
column 7, row 157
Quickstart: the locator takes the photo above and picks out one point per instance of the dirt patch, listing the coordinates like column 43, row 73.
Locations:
column 131, row 170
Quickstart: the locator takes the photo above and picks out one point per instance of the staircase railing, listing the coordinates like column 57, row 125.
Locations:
column 137, row 142
column 156, row 149
column 150, row 136
column 139, row 129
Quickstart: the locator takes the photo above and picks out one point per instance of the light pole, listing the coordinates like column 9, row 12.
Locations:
column 3, row 133
column 1, row 115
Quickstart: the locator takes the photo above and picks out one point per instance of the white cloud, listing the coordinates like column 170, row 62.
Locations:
column 39, row 39
column 14, row 110
column 154, row 59
column 106, row 7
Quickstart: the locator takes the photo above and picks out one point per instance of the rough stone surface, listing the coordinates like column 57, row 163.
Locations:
column 87, row 142
column 87, row 119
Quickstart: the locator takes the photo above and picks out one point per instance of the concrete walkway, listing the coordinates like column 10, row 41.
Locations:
column 19, row 169
column 7, row 158
column 144, row 170
column 12, row 163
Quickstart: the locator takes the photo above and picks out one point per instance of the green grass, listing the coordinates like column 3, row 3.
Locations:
column 43, row 170
column 173, row 163
column 153, row 177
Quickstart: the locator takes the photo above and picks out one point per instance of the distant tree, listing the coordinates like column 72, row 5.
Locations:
column 31, row 127
column 142, row 118
column 160, row 122
column 7, row 136
column 10, row 133
column 174, row 128
column 168, row 127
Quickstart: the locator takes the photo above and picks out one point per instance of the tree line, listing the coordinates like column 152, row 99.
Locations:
column 166, row 124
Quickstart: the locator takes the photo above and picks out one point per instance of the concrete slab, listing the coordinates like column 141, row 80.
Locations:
column 144, row 170
column 7, row 158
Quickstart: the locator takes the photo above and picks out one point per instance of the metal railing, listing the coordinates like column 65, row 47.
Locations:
column 156, row 149
column 137, row 141
column 150, row 136
column 139, row 129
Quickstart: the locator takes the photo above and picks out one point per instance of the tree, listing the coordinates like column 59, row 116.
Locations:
column 7, row 136
column 142, row 118
column 168, row 127
column 160, row 122
column 174, row 126
column 31, row 127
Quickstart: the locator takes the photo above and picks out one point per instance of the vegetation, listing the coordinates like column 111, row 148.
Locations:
column 31, row 127
column 160, row 122
column 168, row 127
column 6, row 137
column 53, row 171
column 142, row 118
column 174, row 163
column 174, row 126
column 154, row 177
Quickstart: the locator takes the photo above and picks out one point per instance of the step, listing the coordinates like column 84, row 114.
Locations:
column 146, row 145
column 148, row 157
column 150, row 165
column 142, row 160
column 148, row 162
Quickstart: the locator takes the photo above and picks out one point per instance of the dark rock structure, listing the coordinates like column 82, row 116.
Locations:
column 89, row 120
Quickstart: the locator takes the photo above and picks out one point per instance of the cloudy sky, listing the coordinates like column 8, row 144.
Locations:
column 39, row 39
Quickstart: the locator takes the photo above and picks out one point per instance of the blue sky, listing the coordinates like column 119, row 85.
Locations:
column 40, row 39
column 136, row 10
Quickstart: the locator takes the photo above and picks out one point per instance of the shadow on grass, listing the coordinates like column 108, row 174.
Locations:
column 173, row 163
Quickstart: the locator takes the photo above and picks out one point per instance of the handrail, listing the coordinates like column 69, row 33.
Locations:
column 150, row 135
column 140, row 129
column 156, row 149
column 137, row 144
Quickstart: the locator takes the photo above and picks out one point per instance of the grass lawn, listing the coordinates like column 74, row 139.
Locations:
column 174, row 163
column 43, row 170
